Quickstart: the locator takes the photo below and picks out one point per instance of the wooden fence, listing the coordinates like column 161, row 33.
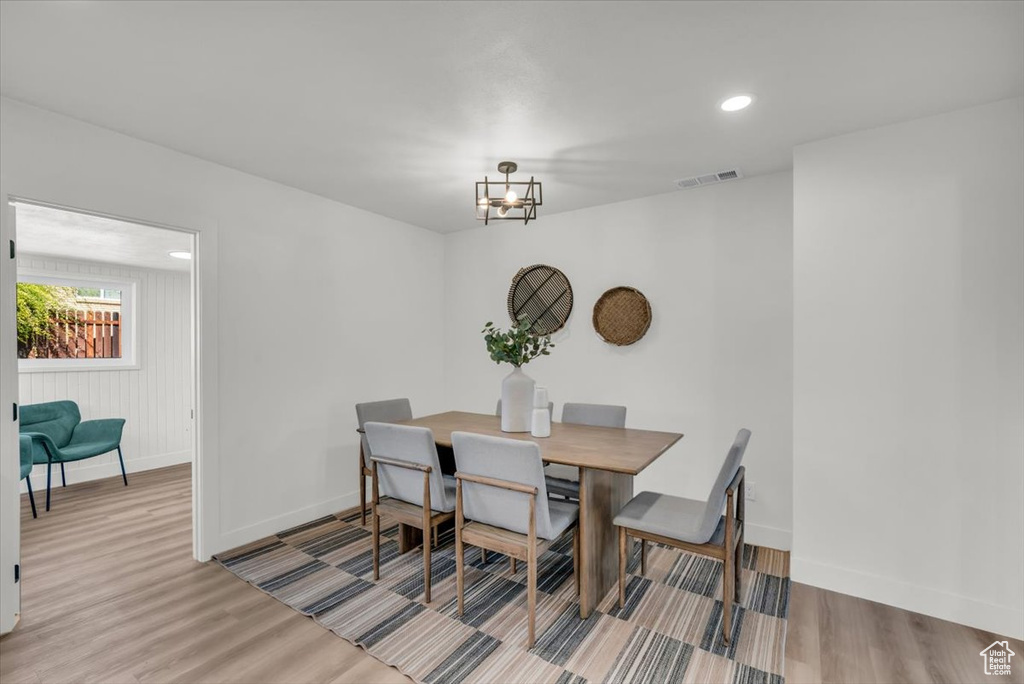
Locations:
column 80, row 335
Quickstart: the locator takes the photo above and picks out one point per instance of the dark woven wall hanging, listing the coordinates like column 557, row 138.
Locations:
column 544, row 294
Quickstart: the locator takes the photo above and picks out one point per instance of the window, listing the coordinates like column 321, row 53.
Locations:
column 74, row 322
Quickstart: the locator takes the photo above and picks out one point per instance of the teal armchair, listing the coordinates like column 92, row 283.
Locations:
column 58, row 436
column 25, row 444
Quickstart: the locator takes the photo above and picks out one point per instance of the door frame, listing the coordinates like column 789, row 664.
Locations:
column 205, row 517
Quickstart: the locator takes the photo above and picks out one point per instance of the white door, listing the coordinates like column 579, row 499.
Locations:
column 10, row 466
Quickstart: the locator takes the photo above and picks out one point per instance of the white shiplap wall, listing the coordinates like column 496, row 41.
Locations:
column 154, row 399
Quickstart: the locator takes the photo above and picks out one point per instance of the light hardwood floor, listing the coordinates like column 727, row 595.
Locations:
column 110, row 594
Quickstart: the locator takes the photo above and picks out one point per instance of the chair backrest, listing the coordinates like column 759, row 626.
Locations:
column 55, row 419
column 387, row 411
column 512, row 460
column 716, row 500
column 596, row 415
column 413, row 444
column 551, row 408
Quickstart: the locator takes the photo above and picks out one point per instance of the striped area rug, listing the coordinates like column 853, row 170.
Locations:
column 669, row 630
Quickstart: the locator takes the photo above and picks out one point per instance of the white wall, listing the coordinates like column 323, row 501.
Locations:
column 716, row 265
column 909, row 365
column 154, row 399
column 307, row 306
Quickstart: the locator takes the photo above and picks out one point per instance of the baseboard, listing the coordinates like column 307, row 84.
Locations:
column 85, row 471
column 772, row 537
column 265, row 528
column 1000, row 620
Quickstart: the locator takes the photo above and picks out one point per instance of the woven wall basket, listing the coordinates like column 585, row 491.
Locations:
column 544, row 294
column 622, row 315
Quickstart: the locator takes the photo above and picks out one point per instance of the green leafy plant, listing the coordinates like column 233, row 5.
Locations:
column 517, row 345
column 39, row 308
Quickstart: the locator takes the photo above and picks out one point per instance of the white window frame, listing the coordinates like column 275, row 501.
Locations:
column 129, row 328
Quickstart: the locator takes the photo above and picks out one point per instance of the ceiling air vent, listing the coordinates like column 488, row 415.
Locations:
column 709, row 178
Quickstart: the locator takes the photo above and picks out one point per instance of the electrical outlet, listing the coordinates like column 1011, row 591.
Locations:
column 750, row 489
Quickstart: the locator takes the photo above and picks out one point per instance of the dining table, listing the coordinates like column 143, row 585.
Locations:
column 608, row 459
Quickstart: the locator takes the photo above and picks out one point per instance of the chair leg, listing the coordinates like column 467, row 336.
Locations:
column 376, row 543
column 63, row 480
column 31, row 498
column 576, row 558
column 622, row 567
column 483, row 555
column 512, row 564
column 49, row 466
column 738, row 575
column 426, row 565
column 531, row 593
column 643, row 557
column 437, row 537
column 362, row 493
column 460, row 571
column 728, row 590
column 120, row 457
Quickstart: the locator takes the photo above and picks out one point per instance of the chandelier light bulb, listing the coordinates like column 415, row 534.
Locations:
column 502, row 211
column 482, row 202
column 511, row 196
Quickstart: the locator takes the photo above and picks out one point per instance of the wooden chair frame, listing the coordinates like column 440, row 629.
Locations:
column 730, row 552
column 421, row 517
column 516, row 546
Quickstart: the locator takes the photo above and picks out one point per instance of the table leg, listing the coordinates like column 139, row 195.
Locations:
column 409, row 537
column 602, row 495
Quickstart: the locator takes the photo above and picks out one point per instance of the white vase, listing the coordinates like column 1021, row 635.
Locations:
column 516, row 401
column 540, row 426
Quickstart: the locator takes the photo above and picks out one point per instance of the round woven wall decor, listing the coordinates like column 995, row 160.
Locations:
column 622, row 315
column 544, row 294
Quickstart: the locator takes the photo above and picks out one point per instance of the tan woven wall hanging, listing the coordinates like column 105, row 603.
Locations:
column 622, row 315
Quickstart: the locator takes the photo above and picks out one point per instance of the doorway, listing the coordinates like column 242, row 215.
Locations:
column 105, row 311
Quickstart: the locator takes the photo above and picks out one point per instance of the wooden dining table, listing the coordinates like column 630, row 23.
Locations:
column 607, row 458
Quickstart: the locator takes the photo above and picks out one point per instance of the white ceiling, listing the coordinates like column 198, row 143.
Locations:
column 399, row 107
column 70, row 235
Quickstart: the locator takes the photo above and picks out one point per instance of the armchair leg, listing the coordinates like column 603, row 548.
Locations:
column 124, row 475
column 49, row 466
column 31, row 498
column 362, row 493
column 643, row 557
column 63, row 480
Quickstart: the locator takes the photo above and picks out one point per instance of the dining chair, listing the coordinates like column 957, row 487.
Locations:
column 694, row 526
column 25, row 447
column 405, row 467
column 564, row 480
column 501, row 505
column 387, row 411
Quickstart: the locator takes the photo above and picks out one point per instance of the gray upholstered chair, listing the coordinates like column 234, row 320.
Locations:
column 405, row 468
column 694, row 526
column 564, row 480
column 501, row 504
column 387, row 411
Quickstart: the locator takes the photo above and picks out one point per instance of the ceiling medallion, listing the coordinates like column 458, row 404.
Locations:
column 507, row 200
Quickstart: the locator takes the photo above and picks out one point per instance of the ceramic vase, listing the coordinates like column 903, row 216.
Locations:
column 540, row 425
column 516, row 401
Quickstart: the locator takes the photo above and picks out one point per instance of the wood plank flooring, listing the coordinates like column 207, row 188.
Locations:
column 110, row 593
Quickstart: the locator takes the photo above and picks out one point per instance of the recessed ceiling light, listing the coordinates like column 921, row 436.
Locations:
column 736, row 103
column 180, row 255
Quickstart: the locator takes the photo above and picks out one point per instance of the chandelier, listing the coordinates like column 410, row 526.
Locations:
column 507, row 200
